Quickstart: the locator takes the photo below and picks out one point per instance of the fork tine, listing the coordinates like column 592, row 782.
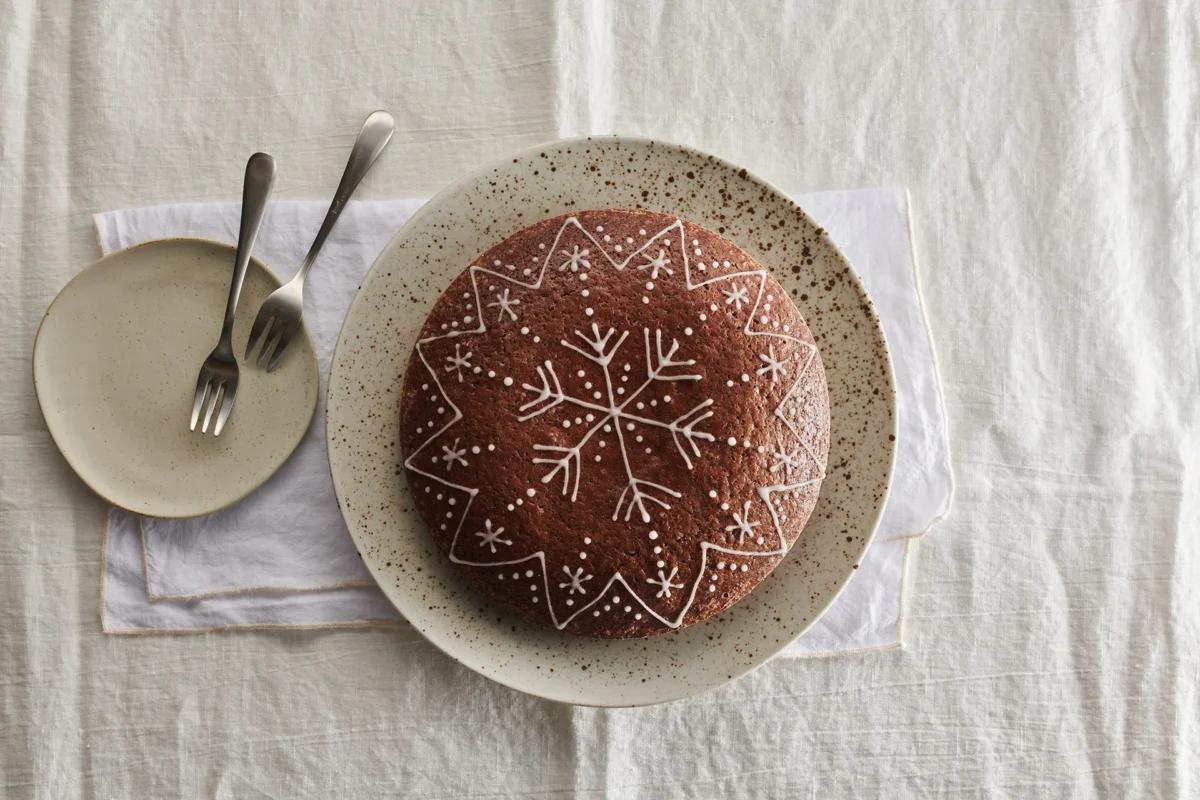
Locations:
column 269, row 345
column 284, row 340
column 262, row 323
column 217, row 392
column 228, row 394
column 202, row 385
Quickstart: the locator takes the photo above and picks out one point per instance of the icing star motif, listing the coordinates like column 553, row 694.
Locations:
column 452, row 454
column 742, row 523
column 575, row 259
column 656, row 263
column 505, row 303
column 773, row 366
column 458, row 362
column 576, row 579
column 786, row 461
column 664, row 582
column 737, row 296
column 490, row 536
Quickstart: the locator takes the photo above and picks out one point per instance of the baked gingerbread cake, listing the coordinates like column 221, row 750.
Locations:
column 615, row 422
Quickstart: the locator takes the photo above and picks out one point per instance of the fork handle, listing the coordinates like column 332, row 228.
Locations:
column 376, row 132
column 256, row 188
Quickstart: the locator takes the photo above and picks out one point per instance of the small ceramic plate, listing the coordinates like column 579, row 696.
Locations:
column 439, row 242
column 115, row 364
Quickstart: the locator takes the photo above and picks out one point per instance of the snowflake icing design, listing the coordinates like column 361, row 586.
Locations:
column 661, row 366
column 737, row 296
column 742, row 524
column 664, row 582
column 490, row 536
column 452, row 454
column 771, row 364
column 575, row 580
column 458, row 362
column 786, row 461
column 575, row 259
column 656, row 263
column 505, row 303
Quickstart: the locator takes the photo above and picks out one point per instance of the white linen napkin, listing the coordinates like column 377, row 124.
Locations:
column 283, row 557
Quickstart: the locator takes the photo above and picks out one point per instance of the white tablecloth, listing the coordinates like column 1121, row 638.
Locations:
column 1052, row 154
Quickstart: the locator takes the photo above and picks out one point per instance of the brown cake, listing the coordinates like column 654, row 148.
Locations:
column 615, row 423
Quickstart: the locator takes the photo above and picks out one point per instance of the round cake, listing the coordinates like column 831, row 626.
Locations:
column 615, row 423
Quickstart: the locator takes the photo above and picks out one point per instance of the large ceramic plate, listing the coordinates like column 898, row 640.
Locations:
column 440, row 241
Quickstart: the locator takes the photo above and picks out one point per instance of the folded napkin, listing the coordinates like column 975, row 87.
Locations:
column 283, row 557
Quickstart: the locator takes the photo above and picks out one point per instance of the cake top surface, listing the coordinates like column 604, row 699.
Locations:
column 615, row 423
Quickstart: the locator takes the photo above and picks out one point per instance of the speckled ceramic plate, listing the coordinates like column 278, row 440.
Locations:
column 439, row 242
column 115, row 365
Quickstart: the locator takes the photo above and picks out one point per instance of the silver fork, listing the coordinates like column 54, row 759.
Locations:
column 279, row 318
column 216, row 388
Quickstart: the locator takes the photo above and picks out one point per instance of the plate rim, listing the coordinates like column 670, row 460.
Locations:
column 472, row 177
column 33, row 368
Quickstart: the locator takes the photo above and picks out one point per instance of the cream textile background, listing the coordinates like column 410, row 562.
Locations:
column 1052, row 153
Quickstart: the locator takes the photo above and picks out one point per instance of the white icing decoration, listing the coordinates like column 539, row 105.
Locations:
column 490, row 537
column 742, row 523
column 458, row 362
column 661, row 366
column 453, row 455
column 773, row 366
column 737, row 296
column 692, row 282
column 505, row 303
column 664, row 582
column 575, row 259
column 576, row 580
column 656, row 263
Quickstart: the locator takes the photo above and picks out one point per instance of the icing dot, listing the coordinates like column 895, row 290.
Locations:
column 570, row 602
column 496, row 262
column 731, row 441
column 712, row 493
column 587, row 540
column 712, row 306
column 720, row 565
column 595, row 613
column 536, row 339
column 745, row 567
column 606, row 606
column 516, row 576
column 641, row 231
column 645, row 299
column 452, row 501
column 687, row 331
column 530, row 492
column 441, row 410
column 536, row 599
column 697, row 251
column 763, row 319
column 760, row 540
column 695, row 243
column 650, row 285
column 586, row 293
column 626, row 368
column 477, row 370
column 629, row 426
column 649, row 451
column 637, row 616
column 639, row 437
column 745, row 378
column 711, row 588
column 533, row 588
column 616, row 599
column 597, row 458
column 729, row 383
column 657, row 550
column 566, row 423
column 525, row 330
column 583, row 555
column 491, row 447
column 599, row 229
column 583, row 276
column 511, row 507
column 589, row 311
column 724, row 506
column 653, row 535
column 491, row 373
column 520, row 502
column 541, row 247
column 424, row 386
column 660, row 563
column 703, row 317
column 596, row 395
column 666, row 398
column 475, row 449
column 627, row 609
column 618, row 247
column 508, row 381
